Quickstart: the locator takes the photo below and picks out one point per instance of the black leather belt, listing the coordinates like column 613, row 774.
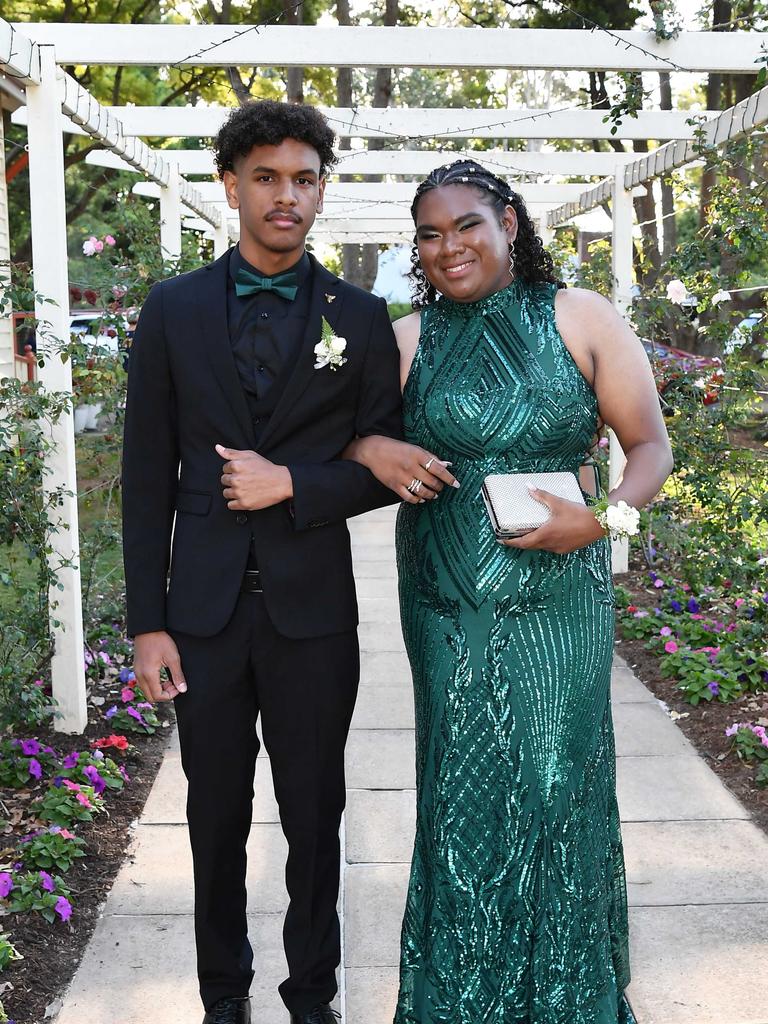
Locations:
column 251, row 582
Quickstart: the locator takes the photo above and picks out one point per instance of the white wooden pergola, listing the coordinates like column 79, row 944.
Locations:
column 413, row 140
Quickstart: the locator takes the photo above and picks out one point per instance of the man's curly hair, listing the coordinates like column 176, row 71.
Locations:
column 268, row 123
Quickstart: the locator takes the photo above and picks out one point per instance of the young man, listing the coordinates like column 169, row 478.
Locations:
column 232, row 445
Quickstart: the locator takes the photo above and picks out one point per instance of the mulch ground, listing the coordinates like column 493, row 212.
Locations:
column 705, row 724
column 52, row 952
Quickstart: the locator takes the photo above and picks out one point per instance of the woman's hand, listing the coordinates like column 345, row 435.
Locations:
column 397, row 464
column 570, row 526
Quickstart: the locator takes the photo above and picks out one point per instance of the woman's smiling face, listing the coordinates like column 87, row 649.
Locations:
column 463, row 245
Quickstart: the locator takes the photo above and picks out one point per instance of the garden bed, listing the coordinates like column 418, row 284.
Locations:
column 704, row 724
column 53, row 951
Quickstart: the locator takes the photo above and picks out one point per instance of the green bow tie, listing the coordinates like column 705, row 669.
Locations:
column 247, row 283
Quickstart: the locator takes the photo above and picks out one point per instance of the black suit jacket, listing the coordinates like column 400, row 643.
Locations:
column 184, row 396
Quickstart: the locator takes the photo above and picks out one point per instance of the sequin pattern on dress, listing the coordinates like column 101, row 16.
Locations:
column 516, row 909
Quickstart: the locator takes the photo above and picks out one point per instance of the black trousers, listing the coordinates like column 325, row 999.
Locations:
column 304, row 691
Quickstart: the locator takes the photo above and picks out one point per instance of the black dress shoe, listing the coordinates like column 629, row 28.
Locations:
column 236, row 1010
column 321, row 1014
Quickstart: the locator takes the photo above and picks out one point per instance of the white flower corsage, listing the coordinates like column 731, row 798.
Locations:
column 621, row 520
column 329, row 351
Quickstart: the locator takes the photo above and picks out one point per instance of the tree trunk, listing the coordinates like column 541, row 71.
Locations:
column 721, row 16
column 669, row 224
column 360, row 262
column 294, row 76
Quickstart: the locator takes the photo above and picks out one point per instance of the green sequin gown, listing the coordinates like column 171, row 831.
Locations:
column 516, row 909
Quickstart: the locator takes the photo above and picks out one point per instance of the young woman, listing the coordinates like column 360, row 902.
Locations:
column 516, row 908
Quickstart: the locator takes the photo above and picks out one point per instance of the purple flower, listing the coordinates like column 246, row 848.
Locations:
column 63, row 908
column 135, row 713
column 124, row 773
column 30, row 747
column 714, row 687
column 144, row 704
column 6, row 884
column 652, row 575
column 34, row 768
column 47, row 882
column 126, row 675
column 112, row 711
column 105, row 658
column 58, row 781
column 658, row 583
column 693, row 605
column 675, row 606
column 665, row 631
column 91, row 773
column 71, row 759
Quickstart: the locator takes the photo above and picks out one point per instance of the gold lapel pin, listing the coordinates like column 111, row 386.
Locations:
column 329, row 298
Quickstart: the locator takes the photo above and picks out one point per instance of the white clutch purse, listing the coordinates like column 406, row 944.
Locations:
column 511, row 508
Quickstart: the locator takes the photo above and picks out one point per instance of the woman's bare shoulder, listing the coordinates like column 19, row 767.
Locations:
column 407, row 329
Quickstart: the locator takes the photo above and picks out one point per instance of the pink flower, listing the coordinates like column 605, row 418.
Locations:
column 665, row 631
column 63, row 908
column 98, row 245
column 66, row 834
column 126, row 694
column 603, row 442
column 83, row 799
column 739, row 602
column 670, row 647
column 71, row 785
column 658, row 583
column 686, row 587
column 109, row 239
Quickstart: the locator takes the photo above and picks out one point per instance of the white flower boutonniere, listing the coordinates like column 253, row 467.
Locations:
column 329, row 351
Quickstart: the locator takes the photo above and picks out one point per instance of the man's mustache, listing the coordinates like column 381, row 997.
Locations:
column 284, row 215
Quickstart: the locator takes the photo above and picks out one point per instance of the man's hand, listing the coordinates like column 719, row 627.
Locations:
column 152, row 652
column 250, row 481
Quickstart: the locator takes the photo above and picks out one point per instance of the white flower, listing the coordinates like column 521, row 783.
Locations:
column 700, row 383
column 329, row 350
column 622, row 519
column 676, row 291
column 721, row 296
column 89, row 246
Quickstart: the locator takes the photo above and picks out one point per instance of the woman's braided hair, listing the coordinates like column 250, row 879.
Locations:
column 533, row 264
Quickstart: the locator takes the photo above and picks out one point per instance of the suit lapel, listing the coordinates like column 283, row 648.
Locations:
column 326, row 301
column 212, row 323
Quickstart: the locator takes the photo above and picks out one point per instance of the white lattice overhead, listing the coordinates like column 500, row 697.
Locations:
column 410, row 161
column 414, row 123
column 461, row 48
column 371, row 194
column 730, row 124
column 19, row 56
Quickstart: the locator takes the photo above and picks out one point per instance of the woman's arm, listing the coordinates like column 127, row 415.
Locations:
column 612, row 359
column 395, row 463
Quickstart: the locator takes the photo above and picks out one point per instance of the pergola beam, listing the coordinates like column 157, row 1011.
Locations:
column 315, row 46
column 19, row 56
column 416, row 123
column 730, row 124
column 409, row 161
column 100, row 123
column 370, row 194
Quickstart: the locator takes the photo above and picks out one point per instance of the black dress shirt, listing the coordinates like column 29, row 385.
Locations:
column 265, row 329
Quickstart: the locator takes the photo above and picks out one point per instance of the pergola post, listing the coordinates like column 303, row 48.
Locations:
column 170, row 216
column 621, row 264
column 7, row 361
column 220, row 239
column 49, row 259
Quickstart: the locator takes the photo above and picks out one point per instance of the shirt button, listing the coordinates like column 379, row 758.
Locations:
column 241, row 519
column 260, row 369
column 265, row 316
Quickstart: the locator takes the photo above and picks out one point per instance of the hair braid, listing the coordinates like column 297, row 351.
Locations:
column 533, row 264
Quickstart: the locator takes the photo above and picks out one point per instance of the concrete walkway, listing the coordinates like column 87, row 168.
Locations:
column 696, row 865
